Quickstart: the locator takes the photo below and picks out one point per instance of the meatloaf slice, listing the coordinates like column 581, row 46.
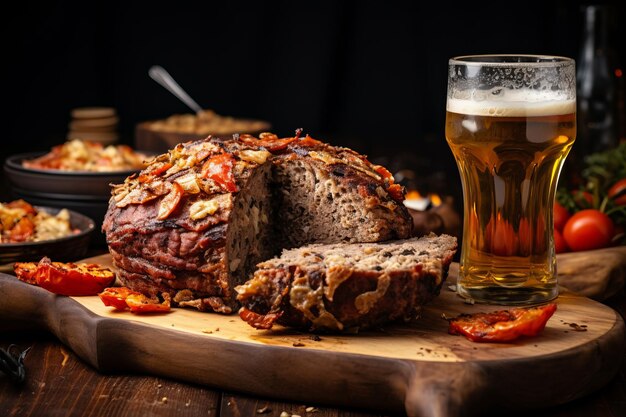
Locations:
column 330, row 194
column 341, row 286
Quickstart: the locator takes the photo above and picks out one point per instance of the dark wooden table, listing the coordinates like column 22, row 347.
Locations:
column 58, row 383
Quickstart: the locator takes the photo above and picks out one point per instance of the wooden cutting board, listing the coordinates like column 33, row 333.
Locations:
column 415, row 368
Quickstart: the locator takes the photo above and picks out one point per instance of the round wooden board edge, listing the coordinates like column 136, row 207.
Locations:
column 380, row 383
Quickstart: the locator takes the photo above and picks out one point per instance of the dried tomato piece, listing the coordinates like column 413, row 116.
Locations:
column 384, row 172
column 259, row 321
column 170, row 201
column 65, row 278
column 22, row 230
column 21, row 204
column 219, row 168
column 309, row 142
column 26, row 271
column 73, row 279
column 268, row 141
column 502, row 325
column 154, row 172
column 396, row 191
column 116, row 297
column 142, row 304
column 51, row 160
column 123, row 298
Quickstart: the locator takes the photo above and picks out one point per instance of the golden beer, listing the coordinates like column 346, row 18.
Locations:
column 509, row 153
column 510, row 123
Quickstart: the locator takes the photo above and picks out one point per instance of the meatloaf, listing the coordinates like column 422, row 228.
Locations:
column 197, row 220
column 343, row 286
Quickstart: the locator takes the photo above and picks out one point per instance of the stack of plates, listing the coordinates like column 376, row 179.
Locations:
column 96, row 124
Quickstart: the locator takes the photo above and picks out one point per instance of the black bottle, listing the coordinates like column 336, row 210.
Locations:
column 597, row 126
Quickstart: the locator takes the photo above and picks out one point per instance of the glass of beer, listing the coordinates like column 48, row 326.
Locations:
column 510, row 123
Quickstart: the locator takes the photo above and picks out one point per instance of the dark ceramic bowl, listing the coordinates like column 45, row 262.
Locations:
column 87, row 193
column 94, row 209
column 69, row 248
column 160, row 141
column 75, row 185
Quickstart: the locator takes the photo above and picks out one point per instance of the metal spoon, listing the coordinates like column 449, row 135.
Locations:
column 158, row 74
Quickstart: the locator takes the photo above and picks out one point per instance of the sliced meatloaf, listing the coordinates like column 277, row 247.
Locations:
column 343, row 286
column 327, row 194
column 198, row 219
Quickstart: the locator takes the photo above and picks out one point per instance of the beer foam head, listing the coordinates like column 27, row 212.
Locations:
column 502, row 102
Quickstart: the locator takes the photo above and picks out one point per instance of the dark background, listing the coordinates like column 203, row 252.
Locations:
column 366, row 74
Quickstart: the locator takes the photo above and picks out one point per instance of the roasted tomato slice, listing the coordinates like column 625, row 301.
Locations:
column 170, row 201
column 26, row 271
column 22, row 230
column 116, row 297
column 309, row 142
column 259, row 321
column 154, row 172
column 269, row 141
column 396, row 191
column 21, row 204
column 123, row 298
column 66, row 278
column 219, row 168
column 139, row 303
column 384, row 172
column 503, row 325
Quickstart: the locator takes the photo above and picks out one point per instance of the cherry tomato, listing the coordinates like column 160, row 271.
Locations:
column 618, row 192
column 560, row 245
column 588, row 229
column 123, row 298
column 219, row 168
column 525, row 237
column 503, row 325
column 583, row 199
column 561, row 216
column 65, row 278
column 500, row 237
